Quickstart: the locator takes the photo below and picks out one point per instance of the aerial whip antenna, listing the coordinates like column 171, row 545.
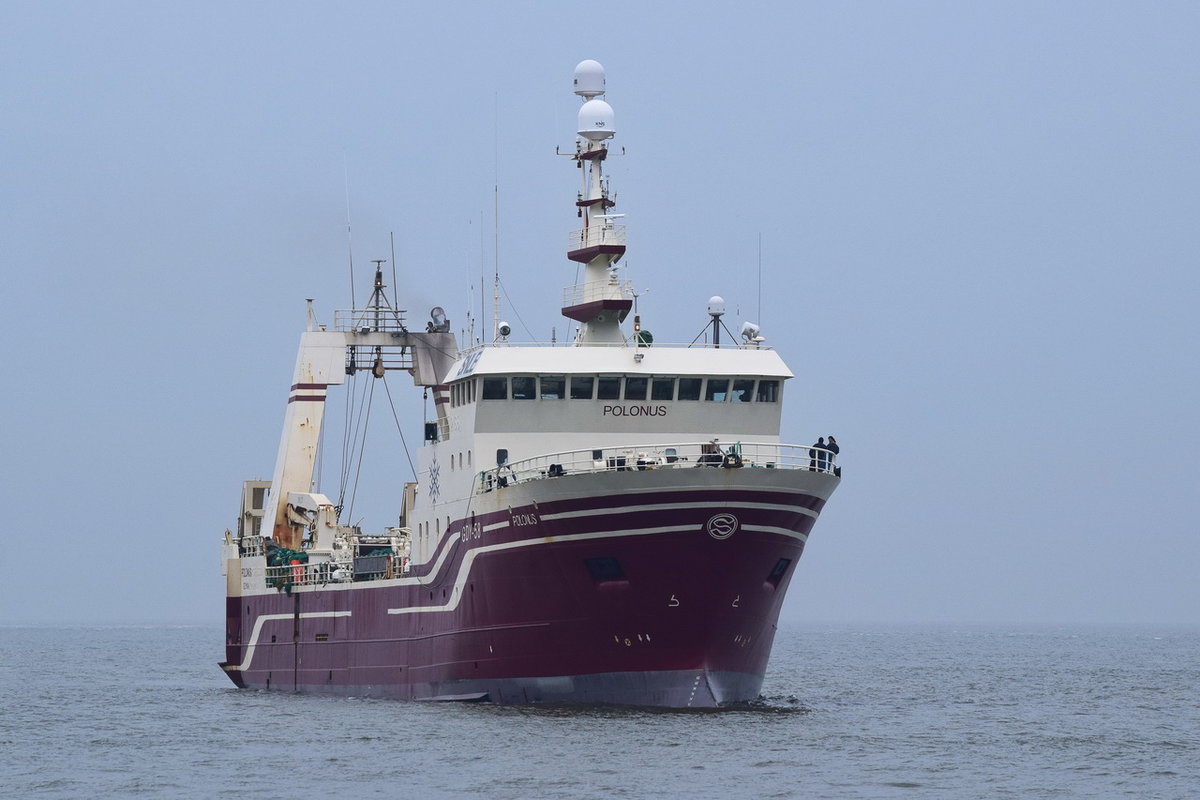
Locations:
column 760, row 276
column 349, row 239
column 496, row 223
column 496, row 276
column 395, row 296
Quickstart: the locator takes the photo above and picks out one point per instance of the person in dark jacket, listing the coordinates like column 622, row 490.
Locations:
column 817, row 457
column 833, row 448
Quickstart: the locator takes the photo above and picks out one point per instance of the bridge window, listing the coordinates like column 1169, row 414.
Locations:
column 553, row 387
column 495, row 388
column 689, row 388
column 635, row 388
column 662, row 389
column 717, row 390
column 768, row 392
column 523, row 387
column 608, row 388
column 743, row 390
column 582, row 387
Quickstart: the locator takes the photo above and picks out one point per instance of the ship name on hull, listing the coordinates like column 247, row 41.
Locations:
column 635, row 411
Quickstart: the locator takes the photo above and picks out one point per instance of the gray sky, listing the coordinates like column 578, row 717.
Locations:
column 979, row 256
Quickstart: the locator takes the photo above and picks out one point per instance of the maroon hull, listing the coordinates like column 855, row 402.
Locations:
column 674, row 603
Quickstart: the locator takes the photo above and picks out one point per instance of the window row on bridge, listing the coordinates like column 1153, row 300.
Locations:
column 633, row 388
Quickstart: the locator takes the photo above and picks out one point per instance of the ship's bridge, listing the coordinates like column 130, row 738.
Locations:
column 533, row 400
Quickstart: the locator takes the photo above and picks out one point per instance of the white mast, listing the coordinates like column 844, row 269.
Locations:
column 600, row 302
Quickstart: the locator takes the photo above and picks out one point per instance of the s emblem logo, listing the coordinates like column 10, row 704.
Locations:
column 722, row 526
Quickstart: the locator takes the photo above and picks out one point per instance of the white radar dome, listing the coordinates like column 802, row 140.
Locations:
column 716, row 305
column 589, row 79
column 596, row 121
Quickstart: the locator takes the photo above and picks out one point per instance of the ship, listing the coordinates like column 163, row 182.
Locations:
column 608, row 519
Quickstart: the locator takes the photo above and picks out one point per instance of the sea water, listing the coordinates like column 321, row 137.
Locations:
column 848, row 711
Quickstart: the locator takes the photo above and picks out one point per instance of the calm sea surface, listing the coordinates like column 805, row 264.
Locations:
column 872, row 712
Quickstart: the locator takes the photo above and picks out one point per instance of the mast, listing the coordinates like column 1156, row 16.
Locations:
column 600, row 302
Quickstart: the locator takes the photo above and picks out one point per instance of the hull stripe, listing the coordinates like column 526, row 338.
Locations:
column 498, row 521
column 258, row 626
column 772, row 529
column 716, row 506
column 447, row 546
column 464, row 570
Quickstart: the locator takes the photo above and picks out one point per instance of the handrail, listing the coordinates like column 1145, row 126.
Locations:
column 594, row 291
column 629, row 458
column 595, row 236
column 383, row 566
column 249, row 546
column 369, row 319
column 630, row 344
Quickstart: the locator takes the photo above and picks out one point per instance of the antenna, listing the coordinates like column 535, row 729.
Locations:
column 470, row 331
column 496, row 280
column 349, row 239
column 379, row 296
column 482, row 280
column 395, row 289
column 760, row 275
column 496, row 221
column 636, row 295
column 716, row 309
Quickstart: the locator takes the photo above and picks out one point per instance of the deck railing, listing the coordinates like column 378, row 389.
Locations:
column 629, row 345
column 285, row 577
column 596, row 235
column 369, row 319
column 596, row 291
column 738, row 455
column 364, row 568
column 249, row 546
